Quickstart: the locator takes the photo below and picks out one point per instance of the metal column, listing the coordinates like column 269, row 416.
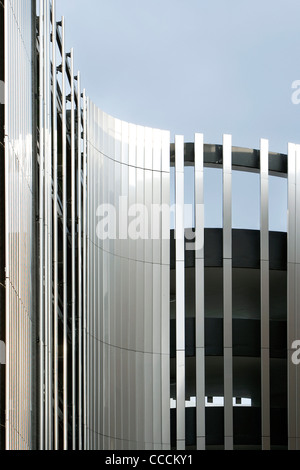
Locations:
column 264, row 289
column 73, row 247
column 7, row 264
column 180, row 293
column 199, row 291
column 41, row 221
column 65, row 290
column 55, row 227
column 84, row 270
column 79, row 261
column 227, row 290
column 293, row 292
column 48, row 231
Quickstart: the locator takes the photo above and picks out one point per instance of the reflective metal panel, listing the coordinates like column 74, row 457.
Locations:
column 264, row 256
column 65, row 275
column 264, row 175
column 227, row 286
column 19, row 313
column 41, row 229
column 129, row 303
column 199, row 289
column 84, row 271
column 180, row 292
column 55, row 227
column 293, row 292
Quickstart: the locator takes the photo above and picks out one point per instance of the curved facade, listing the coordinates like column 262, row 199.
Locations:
column 237, row 301
column 126, row 323
column 232, row 307
column 128, row 326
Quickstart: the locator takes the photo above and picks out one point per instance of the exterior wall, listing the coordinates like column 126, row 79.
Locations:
column 2, row 237
column 127, row 288
column 105, row 306
column 61, row 189
column 218, row 362
column 246, row 341
column 18, row 222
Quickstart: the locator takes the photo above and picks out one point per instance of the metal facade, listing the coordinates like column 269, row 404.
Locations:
column 18, row 222
column 94, row 279
column 127, row 286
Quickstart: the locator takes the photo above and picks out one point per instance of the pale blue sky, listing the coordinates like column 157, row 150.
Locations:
column 217, row 66
column 192, row 65
column 245, row 199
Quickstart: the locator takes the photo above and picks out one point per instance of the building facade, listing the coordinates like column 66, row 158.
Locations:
column 122, row 325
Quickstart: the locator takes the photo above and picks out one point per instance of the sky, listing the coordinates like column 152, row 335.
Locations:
column 215, row 67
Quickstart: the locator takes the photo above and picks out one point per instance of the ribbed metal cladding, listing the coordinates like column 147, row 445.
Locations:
column 55, row 235
column 264, row 289
column 64, row 237
column 18, row 222
column 41, row 229
column 128, row 402
column 227, row 290
column 80, row 189
column 45, row 234
column 103, row 301
column 60, row 189
column 47, row 228
column 2, row 236
column 84, row 275
column 73, row 249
